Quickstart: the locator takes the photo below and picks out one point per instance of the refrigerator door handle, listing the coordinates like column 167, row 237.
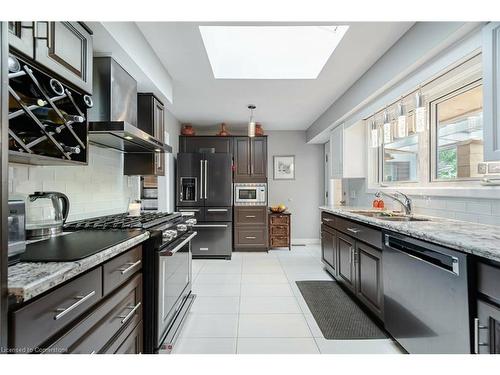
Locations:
column 206, row 175
column 201, row 179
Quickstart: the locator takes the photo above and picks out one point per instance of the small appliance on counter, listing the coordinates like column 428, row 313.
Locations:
column 17, row 231
column 46, row 213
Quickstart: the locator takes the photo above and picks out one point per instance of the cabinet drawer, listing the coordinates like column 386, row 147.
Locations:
column 279, row 220
column 112, row 316
column 119, row 269
column 130, row 341
column 39, row 320
column 279, row 230
column 251, row 215
column 359, row 231
column 488, row 282
column 279, row 242
column 327, row 219
column 218, row 214
column 251, row 237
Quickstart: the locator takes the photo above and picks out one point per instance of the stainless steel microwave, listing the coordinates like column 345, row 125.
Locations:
column 250, row 194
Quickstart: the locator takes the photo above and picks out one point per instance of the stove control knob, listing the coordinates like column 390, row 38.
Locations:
column 182, row 227
column 169, row 235
column 191, row 221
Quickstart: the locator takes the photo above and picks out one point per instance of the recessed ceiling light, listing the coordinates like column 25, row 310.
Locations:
column 270, row 52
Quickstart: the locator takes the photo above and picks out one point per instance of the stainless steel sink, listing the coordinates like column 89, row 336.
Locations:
column 387, row 216
column 401, row 218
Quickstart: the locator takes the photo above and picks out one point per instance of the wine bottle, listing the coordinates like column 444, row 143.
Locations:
column 49, row 114
column 70, row 149
column 27, row 100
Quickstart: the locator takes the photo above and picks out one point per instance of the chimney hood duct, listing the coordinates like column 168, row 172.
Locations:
column 113, row 118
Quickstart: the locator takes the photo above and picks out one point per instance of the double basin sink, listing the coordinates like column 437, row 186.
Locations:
column 388, row 215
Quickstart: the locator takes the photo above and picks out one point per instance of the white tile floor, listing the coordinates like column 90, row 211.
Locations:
column 251, row 305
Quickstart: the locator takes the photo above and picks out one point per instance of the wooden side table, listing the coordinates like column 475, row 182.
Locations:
column 279, row 230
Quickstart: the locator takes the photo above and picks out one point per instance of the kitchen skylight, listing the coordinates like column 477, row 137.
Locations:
column 270, row 52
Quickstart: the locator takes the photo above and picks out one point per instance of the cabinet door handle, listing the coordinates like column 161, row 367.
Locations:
column 203, row 248
column 354, row 230
column 125, row 318
column 250, row 237
column 477, row 344
column 67, row 310
column 129, row 268
column 327, row 220
column 206, row 176
column 201, row 179
column 250, row 216
column 350, row 254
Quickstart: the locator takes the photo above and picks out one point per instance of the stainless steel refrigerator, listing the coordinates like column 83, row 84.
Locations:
column 4, row 167
column 204, row 187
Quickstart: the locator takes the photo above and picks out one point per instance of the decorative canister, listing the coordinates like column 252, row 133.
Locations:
column 258, row 129
column 223, row 130
column 187, row 129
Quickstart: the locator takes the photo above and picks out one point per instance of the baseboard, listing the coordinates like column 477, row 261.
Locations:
column 305, row 241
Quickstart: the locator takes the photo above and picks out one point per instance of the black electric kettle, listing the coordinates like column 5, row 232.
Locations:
column 46, row 213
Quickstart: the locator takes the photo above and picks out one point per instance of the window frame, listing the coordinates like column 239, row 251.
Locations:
column 433, row 137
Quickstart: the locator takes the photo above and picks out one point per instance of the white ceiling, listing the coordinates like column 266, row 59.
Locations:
column 202, row 100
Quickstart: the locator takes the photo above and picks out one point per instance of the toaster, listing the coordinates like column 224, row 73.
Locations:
column 17, row 233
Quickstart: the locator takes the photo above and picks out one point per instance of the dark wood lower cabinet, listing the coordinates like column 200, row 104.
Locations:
column 355, row 262
column 369, row 277
column 329, row 249
column 96, row 312
column 346, row 272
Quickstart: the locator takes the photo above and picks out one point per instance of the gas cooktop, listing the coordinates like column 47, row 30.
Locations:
column 123, row 221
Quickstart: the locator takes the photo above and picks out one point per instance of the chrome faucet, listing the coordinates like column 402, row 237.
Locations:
column 399, row 197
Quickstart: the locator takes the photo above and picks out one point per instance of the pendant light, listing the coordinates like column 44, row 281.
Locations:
column 402, row 129
column 387, row 127
column 420, row 120
column 375, row 136
column 251, row 123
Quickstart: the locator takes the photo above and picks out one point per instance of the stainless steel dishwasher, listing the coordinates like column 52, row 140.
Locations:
column 426, row 296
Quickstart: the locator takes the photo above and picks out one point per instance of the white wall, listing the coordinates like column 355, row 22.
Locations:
column 100, row 188
column 303, row 195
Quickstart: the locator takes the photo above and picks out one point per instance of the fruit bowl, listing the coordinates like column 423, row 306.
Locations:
column 277, row 209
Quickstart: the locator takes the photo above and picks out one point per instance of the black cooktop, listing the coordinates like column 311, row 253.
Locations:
column 124, row 221
column 76, row 245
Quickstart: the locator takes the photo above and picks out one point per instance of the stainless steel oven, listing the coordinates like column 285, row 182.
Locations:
column 174, row 287
column 250, row 194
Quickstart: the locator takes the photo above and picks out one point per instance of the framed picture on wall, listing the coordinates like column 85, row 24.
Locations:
column 284, row 167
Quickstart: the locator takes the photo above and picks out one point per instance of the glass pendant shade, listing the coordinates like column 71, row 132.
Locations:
column 374, row 131
column 402, row 129
column 387, row 128
column 251, row 129
column 420, row 120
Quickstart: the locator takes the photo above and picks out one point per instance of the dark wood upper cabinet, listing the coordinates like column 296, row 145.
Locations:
column 21, row 37
column 205, row 144
column 64, row 48
column 250, row 159
column 241, row 158
column 150, row 119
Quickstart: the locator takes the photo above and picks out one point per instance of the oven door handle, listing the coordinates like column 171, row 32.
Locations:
column 169, row 253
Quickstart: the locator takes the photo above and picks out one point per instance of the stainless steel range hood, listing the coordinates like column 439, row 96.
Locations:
column 113, row 119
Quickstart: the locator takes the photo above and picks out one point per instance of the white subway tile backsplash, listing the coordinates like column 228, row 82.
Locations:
column 456, row 205
column 484, row 211
column 97, row 189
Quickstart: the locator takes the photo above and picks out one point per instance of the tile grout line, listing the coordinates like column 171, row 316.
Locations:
column 239, row 309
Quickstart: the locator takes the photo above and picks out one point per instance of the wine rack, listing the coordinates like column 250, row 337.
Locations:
column 47, row 119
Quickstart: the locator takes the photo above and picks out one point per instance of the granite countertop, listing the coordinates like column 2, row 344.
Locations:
column 29, row 279
column 472, row 238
